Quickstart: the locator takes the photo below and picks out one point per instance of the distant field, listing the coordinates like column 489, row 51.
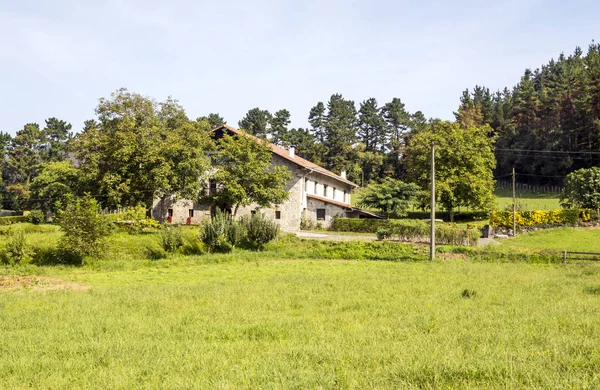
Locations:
column 571, row 239
column 527, row 200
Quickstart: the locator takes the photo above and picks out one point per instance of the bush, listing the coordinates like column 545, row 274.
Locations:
column 260, row 230
column 155, row 252
column 193, row 246
column 409, row 230
column 383, row 234
column 56, row 256
column 171, row 238
column 236, row 232
column 214, row 232
column 13, row 219
column 85, row 230
column 307, row 224
column 36, row 217
column 15, row 251
column 541, row 217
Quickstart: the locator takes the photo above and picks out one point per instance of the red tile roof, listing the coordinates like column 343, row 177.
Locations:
column 278, row 150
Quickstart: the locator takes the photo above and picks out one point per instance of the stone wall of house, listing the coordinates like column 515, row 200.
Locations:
column 181, row 211
column 331, row 211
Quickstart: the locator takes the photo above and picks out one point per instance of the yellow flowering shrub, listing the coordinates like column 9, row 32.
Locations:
column 540, row 217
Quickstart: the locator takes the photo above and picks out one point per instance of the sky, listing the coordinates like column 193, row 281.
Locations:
column 57, row 58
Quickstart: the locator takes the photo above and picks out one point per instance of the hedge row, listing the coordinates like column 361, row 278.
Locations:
column 408, row 230
column 541, row 217
column 13, row 219
column 462, row 216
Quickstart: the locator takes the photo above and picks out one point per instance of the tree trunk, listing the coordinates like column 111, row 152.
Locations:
column 451, row 213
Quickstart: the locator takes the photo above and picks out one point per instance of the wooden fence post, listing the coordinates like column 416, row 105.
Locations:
column 564, row 257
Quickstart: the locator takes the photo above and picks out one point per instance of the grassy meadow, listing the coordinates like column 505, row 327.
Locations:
column 301, row 314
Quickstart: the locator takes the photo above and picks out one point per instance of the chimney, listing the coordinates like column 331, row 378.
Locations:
column 292, row 151
column 343, row 174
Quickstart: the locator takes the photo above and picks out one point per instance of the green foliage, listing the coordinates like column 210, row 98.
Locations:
column 85, row 230
column 256, row 122
column 214, row 233
column 213, row 119
column 16, row 251
column 383, row 234
column 193, row 247
column 409, row 230
column 13, row 219
column 260, row 230
column 237, row 232
column 155, row 252
column 55, row 181
column 134, row 220
column 392, row 197
column 541, row 218
column 464, row 163
column 307, row 224
column 154, row 151
column 245, row 174
column 582, row 189
column 171, row 238
column 36, row 217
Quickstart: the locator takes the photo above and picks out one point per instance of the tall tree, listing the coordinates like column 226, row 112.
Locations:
column 279, row 128
column 256, row 122
column 340, row 135
column 24, row 156
column 464, row 163
column 372, row 134
column 58, row 135
column 317, row 118
column 214, row 120
column 245, row 175
column 140, row 150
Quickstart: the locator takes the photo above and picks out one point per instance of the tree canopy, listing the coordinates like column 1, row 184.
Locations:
column 463, row 164
column 244, row 175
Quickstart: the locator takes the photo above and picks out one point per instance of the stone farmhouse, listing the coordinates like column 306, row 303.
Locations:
column 316, row 194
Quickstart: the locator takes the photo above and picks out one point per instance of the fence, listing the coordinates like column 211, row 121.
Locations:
column 547, row 189
column 594, row 256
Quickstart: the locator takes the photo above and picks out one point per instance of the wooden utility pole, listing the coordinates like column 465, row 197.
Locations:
column 514, row 203
column 432, row 234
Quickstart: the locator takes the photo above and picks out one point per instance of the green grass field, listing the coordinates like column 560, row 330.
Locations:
column 570, row 239
column 526, row 200
column 313, row 320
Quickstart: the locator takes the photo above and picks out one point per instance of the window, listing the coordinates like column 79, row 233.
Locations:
column 212, row 187
column 253, row 212
column 320, row 214
column 277, row 214
column 191, row 213
column 169, row 212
